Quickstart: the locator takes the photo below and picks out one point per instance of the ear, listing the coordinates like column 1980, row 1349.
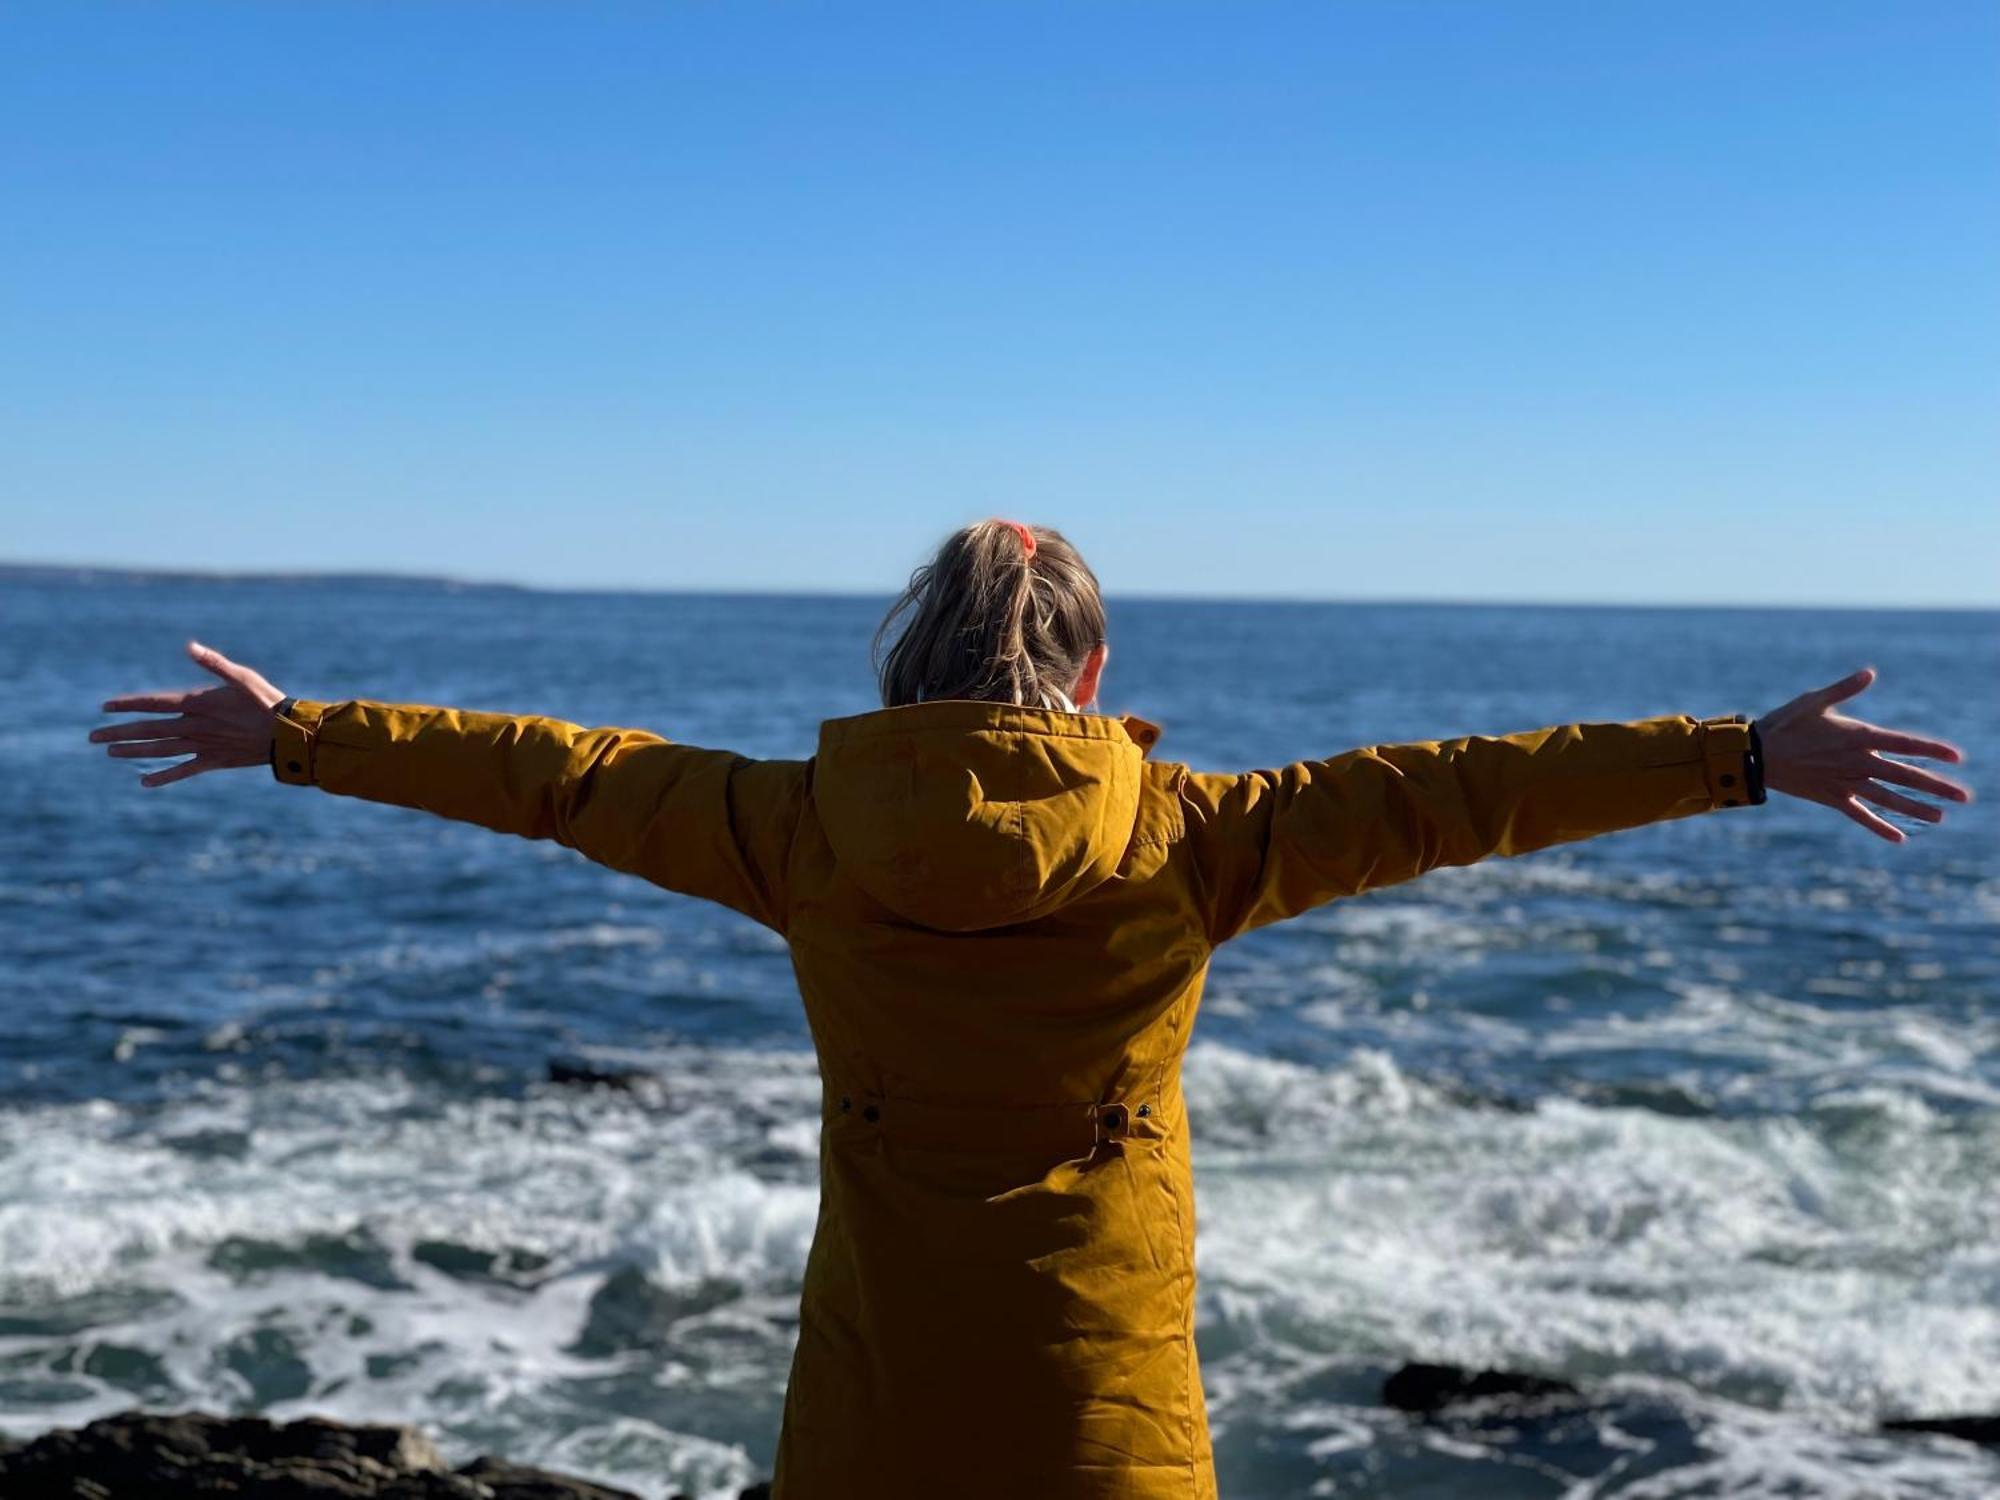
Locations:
column 1085, row 692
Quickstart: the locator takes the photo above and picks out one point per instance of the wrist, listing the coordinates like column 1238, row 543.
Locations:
column 278, row 711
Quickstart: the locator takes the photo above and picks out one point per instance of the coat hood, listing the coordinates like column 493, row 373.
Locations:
column 960, row 815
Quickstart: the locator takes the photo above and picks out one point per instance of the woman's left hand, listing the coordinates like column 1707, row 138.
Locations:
column 223, row 728
column 1812, row 752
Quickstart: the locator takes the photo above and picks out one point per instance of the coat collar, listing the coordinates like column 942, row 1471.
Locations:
column 975, row 713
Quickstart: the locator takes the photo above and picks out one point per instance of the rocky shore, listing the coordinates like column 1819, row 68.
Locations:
column 1428, row 1391
column 145, row 1456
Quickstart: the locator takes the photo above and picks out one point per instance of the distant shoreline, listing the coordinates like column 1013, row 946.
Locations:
column 115, row 574
column 119, row 575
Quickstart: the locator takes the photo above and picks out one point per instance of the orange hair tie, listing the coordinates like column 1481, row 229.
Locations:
column 1027, row 537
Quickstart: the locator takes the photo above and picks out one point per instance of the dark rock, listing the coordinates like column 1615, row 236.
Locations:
column 142, row 1456
column 511, row 1267
column 131, row 1370
column 630, row 1312
column 228, row 1144
column 1431, row 1388
column 517, row 1482
column 137, row 1455
column 584, row 1076
column 1982, row 1430
column 356, row 1256
column 81, row 1313
column 269, row 1362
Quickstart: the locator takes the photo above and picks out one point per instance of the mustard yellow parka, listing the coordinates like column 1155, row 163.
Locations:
column 1001, row 919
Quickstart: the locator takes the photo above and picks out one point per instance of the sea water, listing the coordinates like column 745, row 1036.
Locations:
column 1703, row 1117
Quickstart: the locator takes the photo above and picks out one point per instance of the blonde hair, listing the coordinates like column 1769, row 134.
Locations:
column 990, row 617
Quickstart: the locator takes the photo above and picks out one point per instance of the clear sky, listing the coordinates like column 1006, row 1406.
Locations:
column 1662, row 302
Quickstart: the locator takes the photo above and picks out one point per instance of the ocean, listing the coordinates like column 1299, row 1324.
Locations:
column 1703, row 1117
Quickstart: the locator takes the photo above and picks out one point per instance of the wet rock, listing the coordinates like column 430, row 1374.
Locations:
column 1431, row 1388
column 231, row 1145
column 132, row 1370
column 270, row 1364
column 630, row 1312
column 81, row 1313
column 510, row 1267
column 584, row 1076
column 142, row 1456
column 517, row 1482
column 1982, row 1430
column 356, row 1256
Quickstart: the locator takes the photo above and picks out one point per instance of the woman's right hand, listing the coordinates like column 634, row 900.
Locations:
column 221, row 728
column 1812, row 752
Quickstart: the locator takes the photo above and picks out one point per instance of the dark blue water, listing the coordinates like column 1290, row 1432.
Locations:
column 1705, row 1116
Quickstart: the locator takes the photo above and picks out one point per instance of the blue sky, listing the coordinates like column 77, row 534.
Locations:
column 1480, row 301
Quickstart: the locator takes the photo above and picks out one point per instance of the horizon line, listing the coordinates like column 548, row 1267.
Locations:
column 11, row 568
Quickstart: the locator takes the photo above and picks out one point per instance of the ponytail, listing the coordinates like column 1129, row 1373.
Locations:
column 1004, row 612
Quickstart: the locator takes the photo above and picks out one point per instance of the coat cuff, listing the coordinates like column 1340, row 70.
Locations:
column 1729, row 761
column 295, row 741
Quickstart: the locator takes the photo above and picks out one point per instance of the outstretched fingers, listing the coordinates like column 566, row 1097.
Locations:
column 179, row 772
column 1847, row 687
column 143, row 729
column 214, row 661
column 154, row 703
column 1815, row 752
column 1898, row 743
column 223, row 727
column 244, row 679
column 1928, row 812
column 206, row 760
column 156, row 749
column 1871, row 821
column 1918, row 779
column 1816, row 702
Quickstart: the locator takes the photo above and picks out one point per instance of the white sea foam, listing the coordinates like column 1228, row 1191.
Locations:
column 96, row 1200
column 1786, row 1280
column 1806, row 1280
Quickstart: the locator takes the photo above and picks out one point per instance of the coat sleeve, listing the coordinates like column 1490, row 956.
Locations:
column 706, row 823
column 1270, row 844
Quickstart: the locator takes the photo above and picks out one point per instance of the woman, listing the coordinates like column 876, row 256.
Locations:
column 1000, row 910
